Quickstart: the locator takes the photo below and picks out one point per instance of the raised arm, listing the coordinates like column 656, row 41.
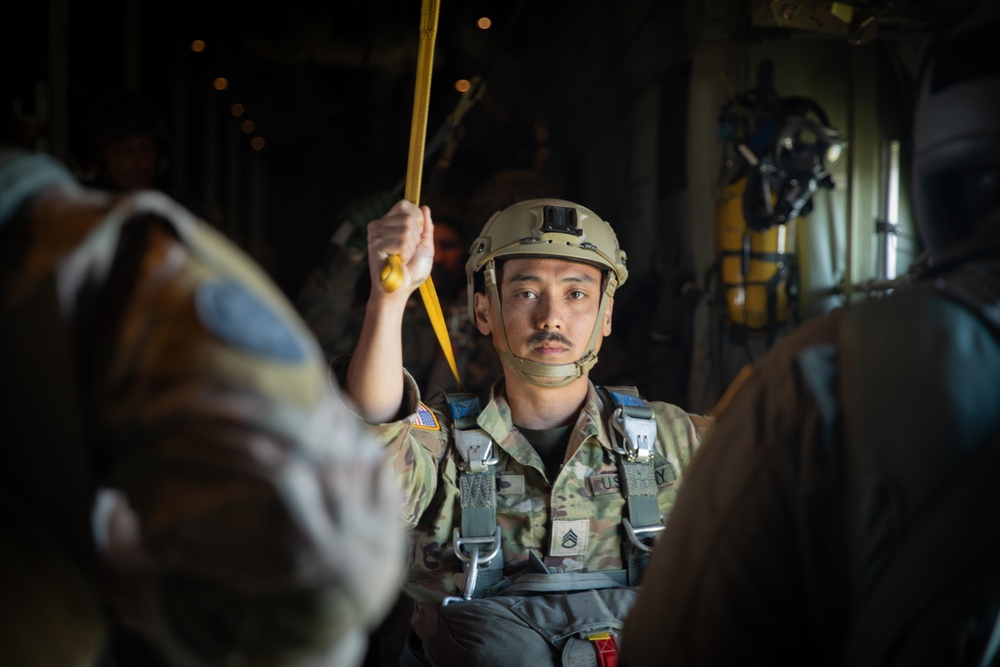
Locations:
column 375, row 373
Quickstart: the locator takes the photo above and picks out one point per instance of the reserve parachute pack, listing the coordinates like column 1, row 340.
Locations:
column 542, row 616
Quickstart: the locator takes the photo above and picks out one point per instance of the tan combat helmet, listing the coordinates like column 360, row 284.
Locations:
column 547, row 228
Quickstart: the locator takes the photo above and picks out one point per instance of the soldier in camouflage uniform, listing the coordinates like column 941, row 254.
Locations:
column 558, row 494
column 146, row 361
column 843, row 509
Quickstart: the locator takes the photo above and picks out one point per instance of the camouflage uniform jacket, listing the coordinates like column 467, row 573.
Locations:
column 534, row 513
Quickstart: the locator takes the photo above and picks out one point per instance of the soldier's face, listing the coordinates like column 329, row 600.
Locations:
column 449, row 255
column 549, row 309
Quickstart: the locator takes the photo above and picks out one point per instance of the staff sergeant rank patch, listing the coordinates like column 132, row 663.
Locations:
column 425, row 419
column 569, row 538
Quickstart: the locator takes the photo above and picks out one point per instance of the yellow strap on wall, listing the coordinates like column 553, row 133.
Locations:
column 391, row 276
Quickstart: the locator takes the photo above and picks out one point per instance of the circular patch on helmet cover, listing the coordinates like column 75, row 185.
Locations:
column 238, row 317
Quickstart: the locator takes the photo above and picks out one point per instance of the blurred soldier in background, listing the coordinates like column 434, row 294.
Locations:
column 177, row 458
column 125, row 144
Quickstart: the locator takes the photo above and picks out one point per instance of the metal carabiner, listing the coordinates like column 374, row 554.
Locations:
column 476, row 449
column 638, row 435
column 635, row 535
column 473, row 561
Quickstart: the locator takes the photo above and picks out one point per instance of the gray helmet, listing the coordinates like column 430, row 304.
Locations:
column 956, row 158
column 547, row 228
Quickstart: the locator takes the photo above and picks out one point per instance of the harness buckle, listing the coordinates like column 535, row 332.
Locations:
column 636, row 535
column 473, row 561
column 476, row 449
column 638, row 435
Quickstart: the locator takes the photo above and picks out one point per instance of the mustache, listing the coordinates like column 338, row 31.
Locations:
column 543, row 336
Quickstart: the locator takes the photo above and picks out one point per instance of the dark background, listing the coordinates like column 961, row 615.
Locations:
column 612, row 104
column 328, row 85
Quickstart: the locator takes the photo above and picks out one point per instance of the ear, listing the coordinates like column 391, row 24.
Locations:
column 481, row 305
column 606, row 325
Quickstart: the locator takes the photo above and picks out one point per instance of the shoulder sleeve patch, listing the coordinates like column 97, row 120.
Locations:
column 426, row 419
column 239, row 318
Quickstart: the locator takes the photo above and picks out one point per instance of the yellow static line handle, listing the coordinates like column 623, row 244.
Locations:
column 391, row 276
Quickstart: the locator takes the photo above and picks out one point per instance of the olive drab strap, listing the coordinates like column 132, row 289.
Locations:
column 477, row 543
column 631, row 420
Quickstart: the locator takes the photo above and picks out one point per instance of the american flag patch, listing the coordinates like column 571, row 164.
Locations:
column 426, row 419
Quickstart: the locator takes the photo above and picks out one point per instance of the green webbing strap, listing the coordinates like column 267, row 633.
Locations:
column 638, row 476
column 478, row 489
column 561, row 582
column 643, row 511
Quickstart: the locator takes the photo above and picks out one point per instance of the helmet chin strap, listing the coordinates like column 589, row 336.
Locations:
column 529, row 370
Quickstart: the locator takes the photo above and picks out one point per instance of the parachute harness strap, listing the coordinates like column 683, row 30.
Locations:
column 477, row 544
column 633, row 428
